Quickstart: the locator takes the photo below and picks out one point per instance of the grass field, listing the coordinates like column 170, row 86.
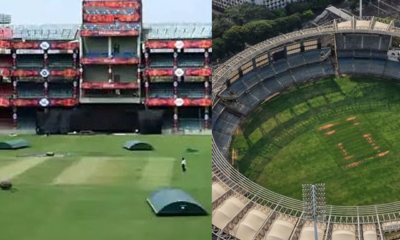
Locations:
column 100, row 190
column 343, row 132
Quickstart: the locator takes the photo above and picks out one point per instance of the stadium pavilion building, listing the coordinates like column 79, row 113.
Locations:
column 109, row 68
column 244, row 210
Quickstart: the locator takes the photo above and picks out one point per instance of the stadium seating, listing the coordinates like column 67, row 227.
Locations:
column 239, row 107
column 161, row 61
column 280, row 66
column 96, row 55
column 380, row 55
column 346, row 65
column 385, row 43
column 358, row 41
column 265, row 72
column 300, row 74
column 125, row 55
column 361, row 66
column 30, row 62
column 30, row 90
column 369, row 42
column 60, row 90
column 377, row 66
column 224, row 128
column 58, row 61
column 161, row 91
column 315, row 71
column 392, row 70
column 285, row 79
column 190, row 60
column 296, row 60
column 191, row 90
column 218, row 108
column 312, row 56
column 362, row 54
column 237, row 88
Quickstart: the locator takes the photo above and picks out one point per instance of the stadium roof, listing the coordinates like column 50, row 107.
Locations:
column 339, row 12
column 152, row 31
column 178, row 30
column 45, row 32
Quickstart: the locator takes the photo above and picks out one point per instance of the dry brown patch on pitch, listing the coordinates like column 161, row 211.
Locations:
column 349, row 157
column 328, row 126
column 369, row 139
column 351, row 118
column 354, row 164
column 330, row 132
column 356, row 124
column 342, row 149
column 382, row 154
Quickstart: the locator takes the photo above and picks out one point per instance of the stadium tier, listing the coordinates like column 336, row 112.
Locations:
column 112, row 61
column 244, row 210
column 177, row 73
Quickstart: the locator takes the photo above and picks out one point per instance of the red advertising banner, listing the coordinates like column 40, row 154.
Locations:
column 178, row 102
column 159, row 72
column 113, row 4
column 179, row 72
column 39, row 45
column 68, row 102
column 155, row 44
column 4, row 102
column 106, row 85
column 6, row 33
column 110, row 18
column 108, row 33
column 68, row 73
column 102, row 60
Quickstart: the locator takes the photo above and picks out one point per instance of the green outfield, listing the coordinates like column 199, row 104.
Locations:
column 344, row 132
column 99, row 190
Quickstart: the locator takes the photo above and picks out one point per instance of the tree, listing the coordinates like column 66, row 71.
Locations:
column 297, row 8
column 258, row 31
column 220, row 25
column 279, row 13
column 307, row 15
column 234, row 39
column 218, row 49
column 244, row 13
column 289, row 23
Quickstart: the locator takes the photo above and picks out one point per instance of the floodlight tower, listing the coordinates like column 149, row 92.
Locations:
column 314, row 205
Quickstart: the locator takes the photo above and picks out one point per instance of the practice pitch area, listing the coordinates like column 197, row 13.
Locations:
column 95, row 189
column 339, row 131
